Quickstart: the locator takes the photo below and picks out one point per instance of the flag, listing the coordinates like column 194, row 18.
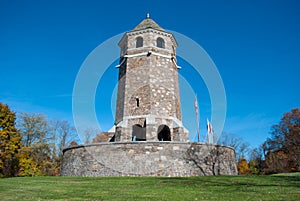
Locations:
column 209, row 127
column 210, row 136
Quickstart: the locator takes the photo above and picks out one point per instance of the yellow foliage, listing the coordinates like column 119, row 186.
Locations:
column 27, row 165
column 243, row 167
column 10, row 142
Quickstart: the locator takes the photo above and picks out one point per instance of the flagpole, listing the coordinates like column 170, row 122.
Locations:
column 197, row 117
column 207, row 128
column 212, row 132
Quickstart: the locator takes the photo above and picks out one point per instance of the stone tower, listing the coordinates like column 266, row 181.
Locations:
column 148, row 101
column 148, row 109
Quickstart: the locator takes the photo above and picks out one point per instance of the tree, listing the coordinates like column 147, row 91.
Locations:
column 276, row 162
column 230, row 139
column 36, row 150
column 243, row 150
column 28, row 166
column 240, row 146
column 43, row 142
column 62, row 135
column 88, row 134
column 10, row 142
column 243, row 167
column 32, row 145
column 33, row 128
column 256, row 162
column 102, row 137
column 73, row 143
column 283, row 150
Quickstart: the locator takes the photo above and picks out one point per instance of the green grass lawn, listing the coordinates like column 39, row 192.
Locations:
column 277, row 187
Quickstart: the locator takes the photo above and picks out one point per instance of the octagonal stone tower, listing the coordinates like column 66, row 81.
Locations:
column 148, row 101
column 148, row 109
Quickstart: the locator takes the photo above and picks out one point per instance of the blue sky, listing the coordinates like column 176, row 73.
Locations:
column 254, row 44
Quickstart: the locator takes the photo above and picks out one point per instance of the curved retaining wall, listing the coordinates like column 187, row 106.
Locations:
column 148, row 159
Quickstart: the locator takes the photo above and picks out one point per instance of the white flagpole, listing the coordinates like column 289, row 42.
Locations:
column 197, row 116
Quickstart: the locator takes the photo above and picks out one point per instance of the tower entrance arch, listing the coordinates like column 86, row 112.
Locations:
column 163, row 133
column 138, row 133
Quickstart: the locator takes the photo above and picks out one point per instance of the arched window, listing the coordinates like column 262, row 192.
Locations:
column 139, row 42
column 163, row 133
column 160, row 43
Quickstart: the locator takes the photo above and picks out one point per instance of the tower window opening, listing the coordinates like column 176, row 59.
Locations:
column 163, row 133
column 160, row 43
column 139, row 42
column 138, row 133
column 137, row 102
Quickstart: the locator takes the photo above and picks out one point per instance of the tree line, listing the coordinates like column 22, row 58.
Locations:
column 31, row 145
column 280, row 153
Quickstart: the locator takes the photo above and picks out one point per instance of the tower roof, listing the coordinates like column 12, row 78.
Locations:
column 147, row 23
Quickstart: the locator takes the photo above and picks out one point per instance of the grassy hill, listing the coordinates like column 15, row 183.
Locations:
column 274, row 187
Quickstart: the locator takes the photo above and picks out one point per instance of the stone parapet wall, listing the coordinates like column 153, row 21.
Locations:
column 148, row 159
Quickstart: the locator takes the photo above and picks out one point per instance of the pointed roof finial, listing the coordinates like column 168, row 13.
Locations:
column 147, row 23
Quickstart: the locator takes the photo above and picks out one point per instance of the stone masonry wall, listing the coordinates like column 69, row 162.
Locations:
column 152, row 79
column 148, row 159
column 148, row 86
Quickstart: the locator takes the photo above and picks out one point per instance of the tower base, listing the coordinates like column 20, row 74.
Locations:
column 148, row 159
